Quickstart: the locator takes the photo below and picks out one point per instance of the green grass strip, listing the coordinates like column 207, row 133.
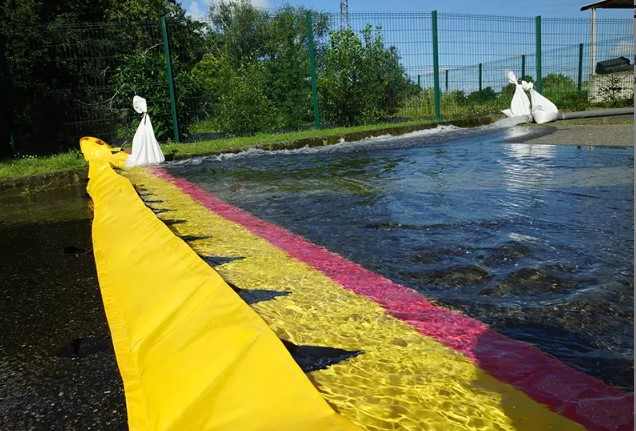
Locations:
column 37, row 165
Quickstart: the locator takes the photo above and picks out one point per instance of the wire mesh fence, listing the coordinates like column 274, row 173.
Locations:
column 381, row 66
column 82, row 85
column 247, row 71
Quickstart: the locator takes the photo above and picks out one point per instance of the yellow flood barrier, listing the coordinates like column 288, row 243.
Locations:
column 192, row 354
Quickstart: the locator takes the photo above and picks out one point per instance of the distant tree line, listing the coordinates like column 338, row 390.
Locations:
column 244, row 70
column 59, row 56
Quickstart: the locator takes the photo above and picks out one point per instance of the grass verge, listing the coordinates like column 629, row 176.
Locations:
column 28, row 166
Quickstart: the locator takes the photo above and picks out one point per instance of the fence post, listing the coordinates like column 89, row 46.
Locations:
column 437, row 96
column 170, row 78
column 523, row 65
column 580, row 77
column 446, row 80
column 419, row 85
column 539, row 80
column 312, row 70
column 480, row 69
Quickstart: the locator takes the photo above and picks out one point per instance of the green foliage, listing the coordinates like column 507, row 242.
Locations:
column 612, row 91
column 63, row 58
column 360, row 80
column 557, row 82
column 562, row 90
column 286, row 68
column 244, row 107
column 29, row 165
column 482, row 96
column 244, row 39
column 143, row 74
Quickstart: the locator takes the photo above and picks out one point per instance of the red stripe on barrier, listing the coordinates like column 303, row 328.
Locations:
column 574, row 394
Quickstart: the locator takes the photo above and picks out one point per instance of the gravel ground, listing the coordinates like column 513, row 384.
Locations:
column 57, row 367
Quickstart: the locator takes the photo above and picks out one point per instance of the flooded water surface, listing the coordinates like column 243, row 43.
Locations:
column 57, row 366
column 536, row 240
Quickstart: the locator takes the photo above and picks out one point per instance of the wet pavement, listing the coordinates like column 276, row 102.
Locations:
column 603, row 131
column 57, row 367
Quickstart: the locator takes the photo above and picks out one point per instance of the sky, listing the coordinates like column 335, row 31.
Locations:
column 546, row 8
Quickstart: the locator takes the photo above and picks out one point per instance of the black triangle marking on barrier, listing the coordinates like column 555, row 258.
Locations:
column 160, row 210
column 252, row 296
column 172, row 222
column 190, row 238
column 313, row 358
column 156, row 201
column 143, row 192
column 220, row 260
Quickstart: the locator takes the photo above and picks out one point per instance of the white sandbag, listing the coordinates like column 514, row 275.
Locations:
column 145, row 148
column 520, row 104
column 543, row 110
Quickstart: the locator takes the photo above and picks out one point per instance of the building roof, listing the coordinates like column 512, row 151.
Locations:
column 610, row 4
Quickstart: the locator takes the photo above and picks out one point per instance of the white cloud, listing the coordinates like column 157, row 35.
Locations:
column 198, row 9
column 263, row 4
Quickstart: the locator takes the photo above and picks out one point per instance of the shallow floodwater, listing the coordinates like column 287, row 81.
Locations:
column 57, row 365
column 535, row 240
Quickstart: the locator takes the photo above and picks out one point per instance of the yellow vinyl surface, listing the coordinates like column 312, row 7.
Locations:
column 192, row 354
column 402, row 380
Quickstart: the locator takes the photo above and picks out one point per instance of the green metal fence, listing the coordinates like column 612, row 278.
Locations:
column 293, row 69
column 454, row 65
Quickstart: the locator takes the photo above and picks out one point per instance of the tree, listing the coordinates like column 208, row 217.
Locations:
column 62, row 58
column 360, row 80
column 244, row 39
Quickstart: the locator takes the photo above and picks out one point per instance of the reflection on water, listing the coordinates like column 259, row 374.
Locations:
column 535, row 240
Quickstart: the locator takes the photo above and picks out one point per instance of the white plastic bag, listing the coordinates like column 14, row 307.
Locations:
column 520, row 105
column 145, row 148
column 543, row 110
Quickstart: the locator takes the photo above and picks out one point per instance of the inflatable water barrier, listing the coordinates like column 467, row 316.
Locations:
column 420, row 366
column 192, row 354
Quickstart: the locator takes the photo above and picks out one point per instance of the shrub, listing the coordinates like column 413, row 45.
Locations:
column 482, row 96
column 143, row 74
column 360, row 80
column 243, row 105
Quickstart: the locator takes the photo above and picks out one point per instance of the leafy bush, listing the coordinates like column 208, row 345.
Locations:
column 360, row 80
column 246, row 40
column 143, row 74
column 562, row 90
column 557, row 82
column 243, row 105
column 482, row 96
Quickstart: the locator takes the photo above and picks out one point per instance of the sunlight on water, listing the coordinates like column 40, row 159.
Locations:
column 536, row 240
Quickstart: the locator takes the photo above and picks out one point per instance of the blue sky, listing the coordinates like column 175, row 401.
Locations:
column 548, row 8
